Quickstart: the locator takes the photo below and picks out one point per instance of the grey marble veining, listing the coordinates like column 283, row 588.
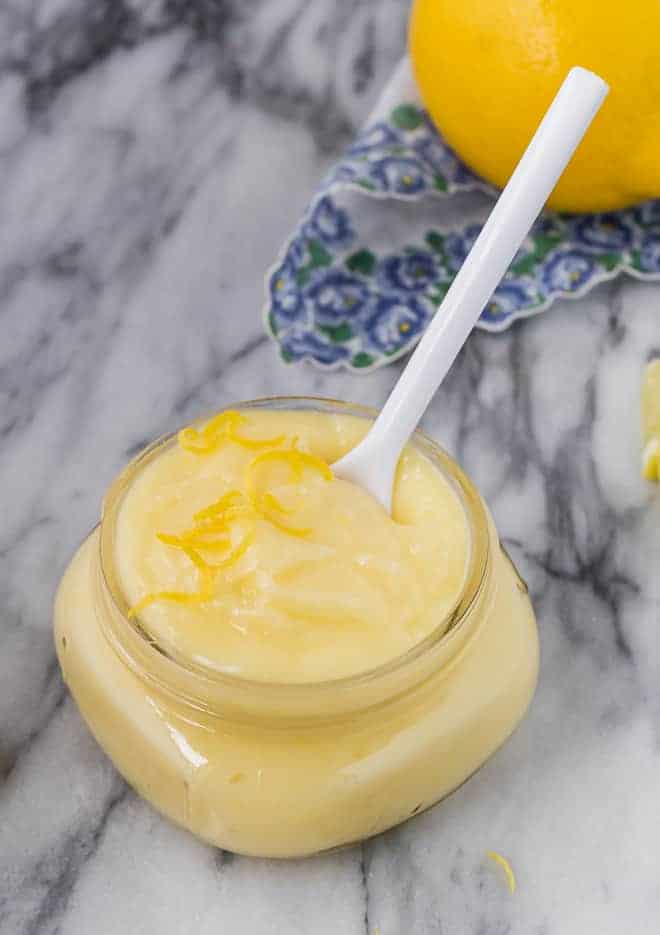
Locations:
column 153, row 156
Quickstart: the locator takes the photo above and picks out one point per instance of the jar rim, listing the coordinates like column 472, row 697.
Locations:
column 210, row 689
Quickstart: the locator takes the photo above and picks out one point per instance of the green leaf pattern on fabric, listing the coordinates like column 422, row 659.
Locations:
column 339, row 300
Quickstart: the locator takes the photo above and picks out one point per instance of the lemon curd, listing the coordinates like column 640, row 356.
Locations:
column 307, row 577
column 269, row 657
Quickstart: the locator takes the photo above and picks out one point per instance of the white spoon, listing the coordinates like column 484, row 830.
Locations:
column 372, row 463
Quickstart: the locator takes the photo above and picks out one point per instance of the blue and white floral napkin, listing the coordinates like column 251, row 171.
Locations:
column 368, row 265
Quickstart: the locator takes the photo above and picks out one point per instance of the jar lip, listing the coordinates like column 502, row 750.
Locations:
column 163, row 663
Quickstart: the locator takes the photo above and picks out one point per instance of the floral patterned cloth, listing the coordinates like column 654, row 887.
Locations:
column 368, row 265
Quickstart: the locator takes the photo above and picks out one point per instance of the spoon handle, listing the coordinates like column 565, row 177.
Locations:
column 545, row 158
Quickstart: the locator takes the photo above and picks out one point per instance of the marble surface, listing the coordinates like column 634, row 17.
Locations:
column 153, row 155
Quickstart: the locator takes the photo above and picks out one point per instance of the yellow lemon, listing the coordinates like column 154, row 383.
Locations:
column 488, row 69
column 651, row 421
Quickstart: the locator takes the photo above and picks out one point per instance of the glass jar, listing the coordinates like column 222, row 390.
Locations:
column 284, row 770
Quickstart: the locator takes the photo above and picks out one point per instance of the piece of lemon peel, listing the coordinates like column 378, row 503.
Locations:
column 506, row 867
column 175, row 597
column 211, row 529
column 651, row 460
column 265, row 502
column 221, row 428
column 190, row 543
column 650, row 412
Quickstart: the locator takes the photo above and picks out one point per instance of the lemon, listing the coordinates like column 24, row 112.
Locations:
column 487, row 71
column 651, row 421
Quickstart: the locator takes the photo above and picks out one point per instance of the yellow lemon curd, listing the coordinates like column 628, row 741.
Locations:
column 248, row 555
column 273, row 660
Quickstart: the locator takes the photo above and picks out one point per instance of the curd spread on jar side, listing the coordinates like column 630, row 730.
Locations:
column 238, row 549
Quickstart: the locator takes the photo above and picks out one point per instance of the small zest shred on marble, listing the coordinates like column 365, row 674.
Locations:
column 506, row 867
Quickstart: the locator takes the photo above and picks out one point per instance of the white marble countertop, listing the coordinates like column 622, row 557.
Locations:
column 153, row 155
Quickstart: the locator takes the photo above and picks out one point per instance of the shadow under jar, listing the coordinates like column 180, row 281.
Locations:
column 285, row 770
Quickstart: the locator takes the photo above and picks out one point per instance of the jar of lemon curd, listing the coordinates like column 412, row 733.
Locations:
column 273, row 661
